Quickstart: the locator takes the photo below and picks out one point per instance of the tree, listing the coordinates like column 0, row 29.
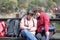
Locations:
column 57, row 1
column 51, row 3
column 8, row 5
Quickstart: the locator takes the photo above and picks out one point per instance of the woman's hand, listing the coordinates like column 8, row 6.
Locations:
column 32, row 29
column 47, row 35
column 25, row 25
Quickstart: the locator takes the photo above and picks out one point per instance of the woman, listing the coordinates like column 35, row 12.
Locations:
column 43, row 23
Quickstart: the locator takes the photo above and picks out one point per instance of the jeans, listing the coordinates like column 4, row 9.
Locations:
column 28, row 35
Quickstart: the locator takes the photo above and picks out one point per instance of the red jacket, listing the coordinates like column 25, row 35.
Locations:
column 43, row 21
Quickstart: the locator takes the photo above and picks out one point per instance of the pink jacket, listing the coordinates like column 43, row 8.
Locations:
column 43, row 21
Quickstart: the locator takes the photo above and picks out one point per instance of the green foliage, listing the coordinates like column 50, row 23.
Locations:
column 6, row 5
column 57, row 1
column 51, row 3
column 22, row 3
column 28, row 3
column 11, row 5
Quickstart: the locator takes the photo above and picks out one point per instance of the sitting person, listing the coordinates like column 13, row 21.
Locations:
column 43, row 25
column 28, row 26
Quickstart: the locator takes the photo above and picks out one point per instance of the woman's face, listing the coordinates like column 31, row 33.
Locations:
column 37, row 14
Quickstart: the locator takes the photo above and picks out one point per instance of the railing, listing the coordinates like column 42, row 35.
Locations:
column 5, row 19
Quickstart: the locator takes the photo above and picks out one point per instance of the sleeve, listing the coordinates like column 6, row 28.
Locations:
column 46, row 23
column 38, row 23
column 22, row 24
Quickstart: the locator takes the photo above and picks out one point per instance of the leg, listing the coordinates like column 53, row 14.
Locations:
column 50, row 36
column 38, row 36
column 28, row 35
column 27, row 38
column 43, row 37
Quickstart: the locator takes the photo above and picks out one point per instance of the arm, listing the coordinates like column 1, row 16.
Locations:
column 46, row 23
column 22, row 25
column 38, row 24
column 40, row 21
column 46, row 26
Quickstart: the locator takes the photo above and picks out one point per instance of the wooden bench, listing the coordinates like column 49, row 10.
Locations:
column 19, row 38
column 14, row 38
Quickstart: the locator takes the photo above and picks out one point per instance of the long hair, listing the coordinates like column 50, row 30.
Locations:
column 37, row 10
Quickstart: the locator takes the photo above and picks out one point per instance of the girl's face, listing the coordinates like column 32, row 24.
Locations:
column 37, row 14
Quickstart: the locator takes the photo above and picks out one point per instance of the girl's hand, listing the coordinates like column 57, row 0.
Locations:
column 25, row 25
column 47, row 35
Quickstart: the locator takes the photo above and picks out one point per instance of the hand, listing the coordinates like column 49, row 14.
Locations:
column 47, row 35
column 25, row 25
column 32, row 30
column 29, row 28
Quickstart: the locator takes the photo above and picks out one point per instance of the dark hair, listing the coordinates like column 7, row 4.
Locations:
column 37, row 10
column 30, row 12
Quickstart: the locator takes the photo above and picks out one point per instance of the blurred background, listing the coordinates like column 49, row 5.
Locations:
column 13, row 7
